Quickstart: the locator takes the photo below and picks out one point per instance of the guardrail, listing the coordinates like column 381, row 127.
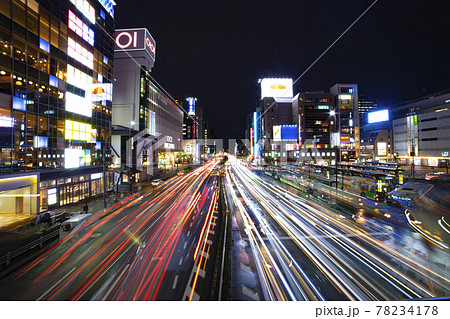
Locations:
column 54, row 220
column 10, row 255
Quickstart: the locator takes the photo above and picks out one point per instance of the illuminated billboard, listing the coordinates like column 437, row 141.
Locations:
column 78, row 104
column 285, row 133
column 40, row 141
column 381, row 148
column 6, row 121
column 78, row 78
column 191, row 105
column 73, row 157
column 134, row 40
column 152, row 121
column 101, row 91
column 378, row 116
column 271, row 87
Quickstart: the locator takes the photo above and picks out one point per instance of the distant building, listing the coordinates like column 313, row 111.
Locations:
column 347, row 117
column 365, row 105
column 377, row 144
column 278, row 120
column 315, row 125
column 422, row 131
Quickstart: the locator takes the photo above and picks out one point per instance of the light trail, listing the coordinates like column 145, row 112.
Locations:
column 350, row 257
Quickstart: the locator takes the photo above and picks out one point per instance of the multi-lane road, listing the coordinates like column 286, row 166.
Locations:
column 159, row 246
column 163, row 246
column 303, row 250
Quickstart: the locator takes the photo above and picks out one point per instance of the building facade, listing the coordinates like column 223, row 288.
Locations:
column 56, row 67
column 365, row 105
column 316, row 125
column 347, row 138
column 421, row 130
column 147, row 124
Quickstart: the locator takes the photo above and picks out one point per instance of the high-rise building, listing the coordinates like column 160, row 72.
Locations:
column 346, row 139
column 147, row 124
column 315, row 120
column 56, row 72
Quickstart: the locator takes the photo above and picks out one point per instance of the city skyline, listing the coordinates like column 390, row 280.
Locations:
column 225, row 151
column 218, row 51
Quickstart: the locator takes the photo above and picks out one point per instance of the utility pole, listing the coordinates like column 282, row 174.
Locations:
column 104, row 177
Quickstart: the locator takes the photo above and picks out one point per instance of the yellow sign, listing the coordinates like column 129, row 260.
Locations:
column 278, row 87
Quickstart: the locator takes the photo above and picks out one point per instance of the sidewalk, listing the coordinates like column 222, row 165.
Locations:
column 10, row 222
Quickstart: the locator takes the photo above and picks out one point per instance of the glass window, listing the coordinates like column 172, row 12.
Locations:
column 44, row 24
column 33, row 24
column 5, row 8
column 19, row 13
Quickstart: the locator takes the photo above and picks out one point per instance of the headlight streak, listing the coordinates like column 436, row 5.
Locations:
column 286, row 268
column 365, row 257
column 329, row 270
column 423, row 233
column 374, row 263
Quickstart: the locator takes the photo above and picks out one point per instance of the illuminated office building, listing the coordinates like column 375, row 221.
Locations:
column 316, row 124
column 346, row 139
column 56, row 65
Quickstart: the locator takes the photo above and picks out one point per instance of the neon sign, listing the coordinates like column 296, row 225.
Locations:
column 191, row 105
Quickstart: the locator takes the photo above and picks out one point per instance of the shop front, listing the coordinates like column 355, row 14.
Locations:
column 64, row 191
column 19, row 194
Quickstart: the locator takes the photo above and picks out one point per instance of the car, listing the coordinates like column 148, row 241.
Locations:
column 156, row 182
column 180, row 173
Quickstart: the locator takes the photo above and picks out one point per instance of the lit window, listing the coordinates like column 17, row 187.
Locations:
column 85, row 8
column 79, row 53
column 78, row 131
column 80, row 28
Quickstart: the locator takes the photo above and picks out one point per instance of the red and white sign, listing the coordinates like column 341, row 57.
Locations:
column 134, row 40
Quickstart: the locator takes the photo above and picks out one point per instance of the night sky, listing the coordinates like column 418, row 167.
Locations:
column 216, row 50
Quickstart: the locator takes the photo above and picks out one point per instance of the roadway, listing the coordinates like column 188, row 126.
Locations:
column 157, row 247
column 305, row 250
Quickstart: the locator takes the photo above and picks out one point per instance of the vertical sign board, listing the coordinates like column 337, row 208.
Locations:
column 191, row 105
column 255, row 133
column 135, row 40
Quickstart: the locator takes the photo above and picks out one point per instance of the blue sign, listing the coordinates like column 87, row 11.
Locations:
column 288, row 133
column 108, row 5
column 191, row 106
